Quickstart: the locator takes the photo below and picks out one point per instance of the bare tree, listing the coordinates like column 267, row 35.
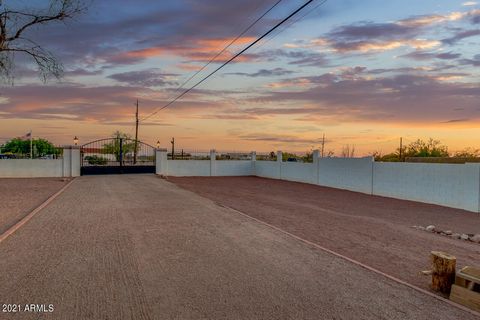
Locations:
column 14, row 24
column 348, row 151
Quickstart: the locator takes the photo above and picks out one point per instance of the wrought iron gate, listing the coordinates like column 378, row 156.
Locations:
column 117, row 155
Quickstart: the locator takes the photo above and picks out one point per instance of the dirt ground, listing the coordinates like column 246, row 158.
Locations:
column 139, row 247
column 20, row 196
column 376, row 231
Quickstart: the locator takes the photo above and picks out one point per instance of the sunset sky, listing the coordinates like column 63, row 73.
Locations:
column 363, row 73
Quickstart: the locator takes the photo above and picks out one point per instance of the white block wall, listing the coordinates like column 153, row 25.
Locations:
column 233, row 168
column 31, row 168
column 300, row 172
column 68, row 166
column 181, row 168
column 452, row 185
column 267, row 169
column 353, row 174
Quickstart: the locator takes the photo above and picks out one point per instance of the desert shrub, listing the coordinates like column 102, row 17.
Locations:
column 96, row 160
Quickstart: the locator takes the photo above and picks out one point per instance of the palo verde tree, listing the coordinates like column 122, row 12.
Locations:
column 14, row 26
column 128, row 145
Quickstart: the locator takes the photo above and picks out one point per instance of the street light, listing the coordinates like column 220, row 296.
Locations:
column 75, row 140
column 158, row 144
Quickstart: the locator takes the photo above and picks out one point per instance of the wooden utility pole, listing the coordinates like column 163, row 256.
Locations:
column 173, row 148
column 323, row 144
column 136, row 136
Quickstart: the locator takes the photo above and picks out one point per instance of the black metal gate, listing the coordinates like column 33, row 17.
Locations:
column 116, row 156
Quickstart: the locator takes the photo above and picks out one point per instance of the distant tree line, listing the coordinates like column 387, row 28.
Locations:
column 426, row 149
column 417, row 149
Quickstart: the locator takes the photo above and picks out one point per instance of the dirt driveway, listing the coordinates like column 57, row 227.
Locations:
column 374, row 230
column 20, row 196
column 139, row 247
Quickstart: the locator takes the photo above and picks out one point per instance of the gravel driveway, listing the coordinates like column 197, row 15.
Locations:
column 20, row 196
column 138, row 247
column 374, row 230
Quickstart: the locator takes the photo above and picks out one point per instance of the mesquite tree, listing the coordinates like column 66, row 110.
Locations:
column 14, row 25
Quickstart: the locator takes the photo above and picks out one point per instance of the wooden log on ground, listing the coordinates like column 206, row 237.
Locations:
column 465, row 297
column 443, row 271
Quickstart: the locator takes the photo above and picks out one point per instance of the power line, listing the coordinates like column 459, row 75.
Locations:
column 231, row 42
column 222, row 51
column 232, row 58
column 290, row 25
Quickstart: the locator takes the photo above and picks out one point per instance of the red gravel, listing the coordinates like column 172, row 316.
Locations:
column 18, row 197
column 371, row 229
column 138, row 247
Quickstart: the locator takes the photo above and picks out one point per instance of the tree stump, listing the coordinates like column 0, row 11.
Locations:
column 443, row 271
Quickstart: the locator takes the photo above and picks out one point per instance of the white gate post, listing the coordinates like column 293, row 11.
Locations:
column 279, row 163
column 213, row 159
column 316, row 165
column 75, row 161
column 253, row 159
column 161, row 162
column 67, row 162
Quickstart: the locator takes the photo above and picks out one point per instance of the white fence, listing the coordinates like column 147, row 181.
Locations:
column 69, row 166
column 451, row 185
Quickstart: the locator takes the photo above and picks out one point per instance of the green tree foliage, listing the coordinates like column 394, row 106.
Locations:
column 128, row 145
column 308, row 157
column 96, row 160
column 389, row 157
column 430, row 148
column 41, row 147
column 418, row 148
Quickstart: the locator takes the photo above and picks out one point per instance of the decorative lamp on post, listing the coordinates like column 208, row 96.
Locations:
column 75, row 140
column 158, row 144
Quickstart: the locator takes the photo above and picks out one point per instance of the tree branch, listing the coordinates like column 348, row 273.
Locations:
column 14, row 23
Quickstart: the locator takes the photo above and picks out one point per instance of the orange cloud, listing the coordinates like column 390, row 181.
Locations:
column 389, row 45
column 188, row 67
column 145, row 53
column 201, row 50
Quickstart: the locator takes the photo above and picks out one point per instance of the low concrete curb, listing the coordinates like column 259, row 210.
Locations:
column 355, row 262
column 29, row 216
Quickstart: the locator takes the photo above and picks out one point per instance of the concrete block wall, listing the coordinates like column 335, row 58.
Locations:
column 451, row 185
column 300, row 172
column 31, row 168
column 354, row 174
column 233, row 168
column 181, row 168
column 267, row 169
column 68, row 166
column 203, row 168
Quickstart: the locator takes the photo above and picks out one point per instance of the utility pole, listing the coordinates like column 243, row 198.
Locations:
column 173, row 148
column 323, row 144
column 400, row 150
column 136, row 136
